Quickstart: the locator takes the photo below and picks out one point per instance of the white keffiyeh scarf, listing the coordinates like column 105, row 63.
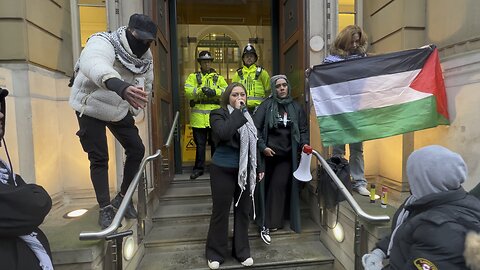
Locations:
column 247, row 167
column 132, row 63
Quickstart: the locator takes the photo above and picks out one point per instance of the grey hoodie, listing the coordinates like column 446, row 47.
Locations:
column 434, row 169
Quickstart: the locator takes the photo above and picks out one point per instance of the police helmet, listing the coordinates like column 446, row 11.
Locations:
column 205, row 55
column 249, row 49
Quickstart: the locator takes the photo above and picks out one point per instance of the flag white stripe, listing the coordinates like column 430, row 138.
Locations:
column 366, row 93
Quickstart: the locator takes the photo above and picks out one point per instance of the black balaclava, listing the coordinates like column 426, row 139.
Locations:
column 137, row 46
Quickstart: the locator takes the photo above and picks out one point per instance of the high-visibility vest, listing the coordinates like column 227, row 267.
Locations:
column 201, row 104
column 256, row 81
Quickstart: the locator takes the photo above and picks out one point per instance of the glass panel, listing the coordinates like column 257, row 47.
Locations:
column 344, row 20
column 225, row 51
column 346, row 13
column 93, row 19
column 346, row 6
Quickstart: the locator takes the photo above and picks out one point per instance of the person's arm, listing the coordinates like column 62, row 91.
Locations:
column 221, row 85
column 259, row 120
column 236, row 78
column 265, row 79
column 22, row 208
column 226, row 127
column 192, row 90
column 303, row 127
column 96, row 61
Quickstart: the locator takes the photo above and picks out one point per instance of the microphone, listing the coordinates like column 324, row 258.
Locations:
column 243, row 108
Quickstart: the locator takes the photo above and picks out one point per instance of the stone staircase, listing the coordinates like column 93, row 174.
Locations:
column 180, row 225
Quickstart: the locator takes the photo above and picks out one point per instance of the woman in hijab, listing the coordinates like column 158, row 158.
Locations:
column 232, row 176
column 282, row 132
column 429, row 229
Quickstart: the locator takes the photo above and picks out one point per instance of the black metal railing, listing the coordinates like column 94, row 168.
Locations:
column 110, row 233
column 360, row 234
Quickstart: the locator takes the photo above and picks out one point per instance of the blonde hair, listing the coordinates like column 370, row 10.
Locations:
column 343, row 41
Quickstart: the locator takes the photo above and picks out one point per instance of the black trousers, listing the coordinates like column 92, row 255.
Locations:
column 93, row 138
column 200, row 137
column 225, row 189
column 278, row 177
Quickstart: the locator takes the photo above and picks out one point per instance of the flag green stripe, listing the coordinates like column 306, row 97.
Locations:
column 380, row 122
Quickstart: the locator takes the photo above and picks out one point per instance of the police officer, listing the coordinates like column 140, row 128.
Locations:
column 255, row 78
column 203, row 89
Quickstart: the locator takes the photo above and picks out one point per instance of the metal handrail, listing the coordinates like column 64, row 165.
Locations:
column 351, row 201
column 121, row 210
column 172, row 130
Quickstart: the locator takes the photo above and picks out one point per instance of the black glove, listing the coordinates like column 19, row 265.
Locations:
column 209, row 92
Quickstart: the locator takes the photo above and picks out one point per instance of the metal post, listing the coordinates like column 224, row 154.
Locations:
column 142, row 207
column 118, row 253
column 117, row 246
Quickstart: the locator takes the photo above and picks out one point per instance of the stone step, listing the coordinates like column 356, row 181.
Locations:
column 180, row 227
column 187, row 191
column 196, row 209
column 304, row 253
column 196, row 232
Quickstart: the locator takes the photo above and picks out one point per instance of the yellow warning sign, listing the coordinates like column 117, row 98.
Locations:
column 188, row 146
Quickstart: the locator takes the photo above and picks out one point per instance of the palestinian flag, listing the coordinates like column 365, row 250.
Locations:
column 379, row 96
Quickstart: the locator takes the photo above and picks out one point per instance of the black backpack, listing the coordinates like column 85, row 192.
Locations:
column 327, row 189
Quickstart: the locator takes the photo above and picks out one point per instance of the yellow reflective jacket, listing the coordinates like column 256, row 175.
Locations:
column 200, row 104
column 257, row 82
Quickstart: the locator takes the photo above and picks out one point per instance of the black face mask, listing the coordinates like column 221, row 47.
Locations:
column 138, row 47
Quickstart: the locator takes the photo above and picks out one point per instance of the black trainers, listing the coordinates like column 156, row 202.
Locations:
column 105, row 216
column 130, row 212
column 265, row 235
column 196, row 174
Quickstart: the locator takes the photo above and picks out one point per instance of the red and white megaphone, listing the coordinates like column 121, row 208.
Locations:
column 303, row 172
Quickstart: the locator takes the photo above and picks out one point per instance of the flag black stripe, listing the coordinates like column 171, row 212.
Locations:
column 371, row 66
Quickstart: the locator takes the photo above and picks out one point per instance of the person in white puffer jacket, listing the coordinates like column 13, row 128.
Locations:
column 111, row 83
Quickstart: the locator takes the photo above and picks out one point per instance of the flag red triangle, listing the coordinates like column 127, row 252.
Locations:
column 430, row 80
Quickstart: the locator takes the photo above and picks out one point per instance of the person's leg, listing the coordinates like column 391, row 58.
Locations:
column 357, row 168
column 210, row 142
column 93, row 138
column 241, row 221
column 126, row 133
column 222, row 182
column 200, row 139
column 279, row 170
column 338, row 150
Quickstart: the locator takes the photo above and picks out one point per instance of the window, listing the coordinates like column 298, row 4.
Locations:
column 346, row 13
column 93, row 18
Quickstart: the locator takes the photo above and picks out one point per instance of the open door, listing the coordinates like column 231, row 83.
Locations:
column 162, row 107
column 291, row 40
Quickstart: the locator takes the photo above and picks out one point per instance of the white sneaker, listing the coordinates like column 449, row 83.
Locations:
column 213, row 264
column 362, row 191
column 248, row 262
column 265, row 235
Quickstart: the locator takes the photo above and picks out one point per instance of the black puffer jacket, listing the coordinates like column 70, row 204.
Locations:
column 22, row 209
column 434, row 232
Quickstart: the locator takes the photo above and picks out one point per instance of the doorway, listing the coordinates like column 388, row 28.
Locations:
column 223, row 28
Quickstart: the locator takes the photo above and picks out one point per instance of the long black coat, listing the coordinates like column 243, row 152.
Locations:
column 435, row 231
column 260, row 118
column 22, row 210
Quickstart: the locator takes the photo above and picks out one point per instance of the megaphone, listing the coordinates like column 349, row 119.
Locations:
column 303, row 171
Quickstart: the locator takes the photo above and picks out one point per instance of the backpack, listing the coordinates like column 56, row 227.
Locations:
column 327, row 189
